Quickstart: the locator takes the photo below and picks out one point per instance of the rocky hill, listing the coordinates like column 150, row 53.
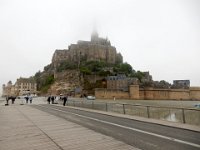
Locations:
column 69, row 67
column 84, row 66
column 65, row 82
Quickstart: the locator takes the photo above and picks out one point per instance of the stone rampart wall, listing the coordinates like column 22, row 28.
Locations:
column 195, row 93
column 164, row 94
column 179, row 94
column 151, row 94
column 110, row 94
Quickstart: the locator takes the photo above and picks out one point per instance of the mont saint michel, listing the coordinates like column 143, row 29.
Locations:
column 95, row 67
column 100, row 75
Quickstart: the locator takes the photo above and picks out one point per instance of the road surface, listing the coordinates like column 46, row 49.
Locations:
column 146, row 136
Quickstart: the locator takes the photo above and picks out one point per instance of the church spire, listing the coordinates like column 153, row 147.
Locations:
column 94, row 36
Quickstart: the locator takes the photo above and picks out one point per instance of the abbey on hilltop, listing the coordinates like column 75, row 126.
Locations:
column 96, row 68
column 98, row 49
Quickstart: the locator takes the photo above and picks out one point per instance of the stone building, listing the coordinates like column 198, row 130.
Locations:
column 26, row 85
column 98, row 49
column 181, row 84
column 21, row 87
column 120, row 82
column 9, row 89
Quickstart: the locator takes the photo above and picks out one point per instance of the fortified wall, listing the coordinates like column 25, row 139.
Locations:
column 193, row 93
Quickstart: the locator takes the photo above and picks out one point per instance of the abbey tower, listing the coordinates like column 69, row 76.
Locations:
column 98, row 49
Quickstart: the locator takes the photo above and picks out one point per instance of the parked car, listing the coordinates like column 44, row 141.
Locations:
column 90, row 97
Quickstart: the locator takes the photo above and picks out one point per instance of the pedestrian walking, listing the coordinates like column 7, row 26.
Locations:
column 65, row 99
column 52, row 99
column 13, row 99
column 61, row 97
column 30, row 98
column 7, row 100
column 49, row 99
column 26, row 98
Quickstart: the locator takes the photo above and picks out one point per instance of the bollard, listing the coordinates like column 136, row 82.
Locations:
column 148, row 114
column 106, row 107
column 183, row 115
column 124, row 109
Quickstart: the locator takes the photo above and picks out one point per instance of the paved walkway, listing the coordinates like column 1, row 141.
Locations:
column 25, row 128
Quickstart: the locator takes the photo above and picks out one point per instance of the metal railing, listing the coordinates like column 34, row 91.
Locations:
column 174, row 114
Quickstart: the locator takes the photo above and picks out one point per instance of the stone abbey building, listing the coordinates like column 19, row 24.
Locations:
column 98, row 49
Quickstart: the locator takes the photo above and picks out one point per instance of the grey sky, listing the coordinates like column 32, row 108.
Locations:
column 160, row 36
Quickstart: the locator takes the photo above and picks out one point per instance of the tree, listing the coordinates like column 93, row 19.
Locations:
column 64, row 65
column 123, row 68
column 138, row 75
column 85, row 70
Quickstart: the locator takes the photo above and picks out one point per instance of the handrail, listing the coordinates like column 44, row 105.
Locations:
column 196, row 109
column 148, row 108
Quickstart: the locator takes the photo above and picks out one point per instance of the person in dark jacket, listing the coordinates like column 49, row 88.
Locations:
column 65, row 99
column 26, row 98
column 13, row 99
column 49, row 99
column 52, row 99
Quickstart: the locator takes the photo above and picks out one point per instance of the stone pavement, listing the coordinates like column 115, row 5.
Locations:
column 26, row 128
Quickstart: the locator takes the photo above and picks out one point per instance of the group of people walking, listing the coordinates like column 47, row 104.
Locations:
column 28, row 98
column 10, row 98
column 51, row 99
